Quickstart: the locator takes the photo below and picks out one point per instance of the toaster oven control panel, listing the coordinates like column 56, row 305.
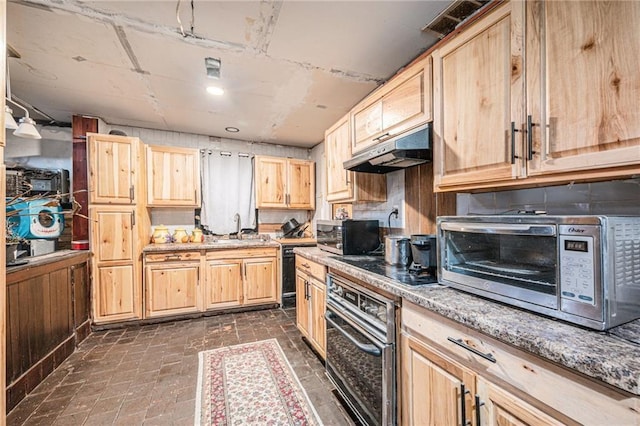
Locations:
column 577, row 260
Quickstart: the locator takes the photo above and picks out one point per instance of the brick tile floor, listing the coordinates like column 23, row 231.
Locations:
column 146, row 375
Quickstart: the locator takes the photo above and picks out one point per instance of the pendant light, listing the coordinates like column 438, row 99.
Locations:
column 27, row 128
column 9, row 121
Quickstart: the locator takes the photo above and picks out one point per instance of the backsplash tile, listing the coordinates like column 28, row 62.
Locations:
column 620, row 197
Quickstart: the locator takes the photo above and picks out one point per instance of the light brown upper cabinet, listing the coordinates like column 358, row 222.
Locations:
column 574, row 116
column 113, row 165
column 284, row 183
column 583, row 86
column 400, row 104
column 173, row 176
column 478, row 86
column 344, row 185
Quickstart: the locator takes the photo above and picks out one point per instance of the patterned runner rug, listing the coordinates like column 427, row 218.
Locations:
column 250, row 384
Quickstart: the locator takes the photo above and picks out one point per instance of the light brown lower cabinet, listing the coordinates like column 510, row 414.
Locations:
column 172, row 288
column 241, row 277
column 185, row 282
column 260, row 280
column 222, row 284
column 311, row 303
column 443, row 383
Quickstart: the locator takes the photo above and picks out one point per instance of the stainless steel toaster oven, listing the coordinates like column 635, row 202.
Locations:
column 582, row 269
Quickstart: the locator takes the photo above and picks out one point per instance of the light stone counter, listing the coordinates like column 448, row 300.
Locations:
column 612, row 357
column 211, row 245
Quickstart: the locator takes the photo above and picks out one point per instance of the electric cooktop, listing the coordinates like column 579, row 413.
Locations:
column 377, row 265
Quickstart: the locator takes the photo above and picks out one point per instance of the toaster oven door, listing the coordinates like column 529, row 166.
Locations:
column 514, row 262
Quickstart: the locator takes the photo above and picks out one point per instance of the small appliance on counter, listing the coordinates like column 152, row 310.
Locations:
column 581, row 269
column 397, row 250
column 347, row 237
column 36, row 219
column 425, row 253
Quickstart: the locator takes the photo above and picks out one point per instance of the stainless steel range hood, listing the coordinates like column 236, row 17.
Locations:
column 400, row 152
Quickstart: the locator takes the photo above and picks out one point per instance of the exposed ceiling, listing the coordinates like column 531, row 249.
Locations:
column 290, row 69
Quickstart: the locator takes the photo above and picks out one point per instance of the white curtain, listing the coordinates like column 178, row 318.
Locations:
column 227, row 190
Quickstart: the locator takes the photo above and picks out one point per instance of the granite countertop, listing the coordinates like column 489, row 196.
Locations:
column 612, row 356
column 211, row 245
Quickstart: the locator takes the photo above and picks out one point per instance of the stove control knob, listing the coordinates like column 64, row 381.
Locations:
column 337, row 290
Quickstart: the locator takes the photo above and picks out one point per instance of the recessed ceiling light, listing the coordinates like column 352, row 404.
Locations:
column 232, row 129
column 217, row 91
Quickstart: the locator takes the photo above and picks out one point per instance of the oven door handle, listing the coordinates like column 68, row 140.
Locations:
column 370, row 349
column 493, row 228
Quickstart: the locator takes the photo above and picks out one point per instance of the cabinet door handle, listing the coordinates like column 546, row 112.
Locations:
column 530, row 126
column 461, row 343
column 172, row 257
column 513, row 142
column 133, row 219
column 306, row 265
column 463, row 405
column 478, row 405
column 131, row 192
column 381, row 136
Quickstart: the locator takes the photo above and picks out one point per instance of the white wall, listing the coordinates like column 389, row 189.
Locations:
column 53, row 151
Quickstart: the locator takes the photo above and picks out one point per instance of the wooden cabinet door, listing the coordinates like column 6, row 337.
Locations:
column 432, row 387
column 402, row 103
column 117, row 283
column 302, row 303
column 223, row 284
column 116, row 295
column 478, row 93
column 583, row 85
column 501, row 408
column 171, row 288
column 173, row 176
column 260, row 281
column 409, row 104
column 367, row 124
column 112, row 232
column 301, row 183
column 271, row 181
column 338, row 150
column 113, row 164
column 318, row 332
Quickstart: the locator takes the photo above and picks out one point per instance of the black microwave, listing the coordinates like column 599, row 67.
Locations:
column 348, row 236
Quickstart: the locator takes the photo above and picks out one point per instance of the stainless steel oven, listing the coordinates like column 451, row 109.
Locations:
column 360, row 358
column 582, row 269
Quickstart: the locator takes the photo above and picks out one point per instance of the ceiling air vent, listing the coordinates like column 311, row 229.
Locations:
column 453, row 15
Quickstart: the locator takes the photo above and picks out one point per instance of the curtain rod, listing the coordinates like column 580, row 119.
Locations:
column 225, row 153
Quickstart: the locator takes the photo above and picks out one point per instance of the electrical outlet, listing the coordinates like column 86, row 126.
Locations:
column 394, row 211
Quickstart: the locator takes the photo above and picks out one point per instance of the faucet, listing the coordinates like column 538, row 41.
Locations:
column 236, row 218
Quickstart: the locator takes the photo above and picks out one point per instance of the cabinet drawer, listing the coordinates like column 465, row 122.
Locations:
column 242, row 253
column 312, row 268
column 171, row 256
column 531, row 378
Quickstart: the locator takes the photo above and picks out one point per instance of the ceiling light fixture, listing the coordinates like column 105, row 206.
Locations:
column 9, row 121
column 27, row 128
column 216, row 91
column 232, row 129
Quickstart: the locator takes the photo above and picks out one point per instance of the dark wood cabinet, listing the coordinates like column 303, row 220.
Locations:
column 47, row 316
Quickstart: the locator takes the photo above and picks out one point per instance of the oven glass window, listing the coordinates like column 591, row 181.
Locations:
column 524, row 261
column 358, row 372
